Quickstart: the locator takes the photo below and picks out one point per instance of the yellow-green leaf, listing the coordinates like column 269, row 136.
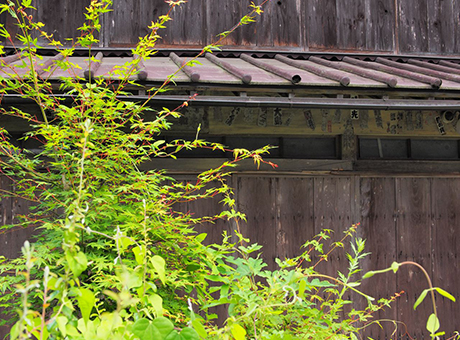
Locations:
column 432, row 325
column 238, row 332
column 158, row 264
column 421, row 298
column 445, row 294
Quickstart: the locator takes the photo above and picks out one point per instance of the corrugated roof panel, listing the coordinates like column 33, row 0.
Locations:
column 259, row 76
column 211, row 73
column 81, row 64
column 249, row 71
column 159, row 68
column 308, row 78
column 111, row 66
column 355, row 80
column 18, row 67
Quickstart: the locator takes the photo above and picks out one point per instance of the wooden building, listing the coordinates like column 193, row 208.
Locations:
column 361, row 98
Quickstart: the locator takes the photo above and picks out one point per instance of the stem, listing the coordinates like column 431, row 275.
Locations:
column 348, row 234
column 342, row 283
column 26, row 34
column 145, row 245
column 43, row 323
column 429, row 282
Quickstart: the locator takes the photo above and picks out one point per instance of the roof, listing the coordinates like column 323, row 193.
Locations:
column 307, row 80
column 345, row 71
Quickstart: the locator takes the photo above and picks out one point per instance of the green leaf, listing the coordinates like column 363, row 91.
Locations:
column 86, row 302
column 302, row 286
column 445, row 294
column 421, row 298
column 144, row 330
column 368, row 275
column 14, row 333
column 200, row 238
column 158, row 264
column 164, row 326
column 62, row 322
column 139, row 254
column 157, row 304
column 432, row 325
column 77, row 263
column 173, row 336
column 198, row 326
column 395, row 266
column 353, row 336
column 238, row 332
column 317, row 283
column 125, row 242
column 189, row 334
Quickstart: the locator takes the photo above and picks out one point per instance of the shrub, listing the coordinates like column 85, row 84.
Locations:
column 113, row 257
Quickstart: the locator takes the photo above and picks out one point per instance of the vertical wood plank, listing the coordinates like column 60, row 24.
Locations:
column 130, row 20
column 380, row 25
column 285, row 23
column 62, row 18
column 413, row 25
column 221, row 16
column 211, row 207
column 351, row 25
column 321, row 23
column 442, row 32
column 11, row 240
column 446, row 248
column 413, row 204
column 188, row 24
column 294, row 209
column 151, row 11
column 10, row 25
column 332, row 210
column 123, row 24
column 6, row 212
column 256, row 198
column 378, row 229
column 258, row 33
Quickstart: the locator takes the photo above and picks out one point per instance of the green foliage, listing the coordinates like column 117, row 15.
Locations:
column 432, row 324
column 113, row 258
column 293, row 302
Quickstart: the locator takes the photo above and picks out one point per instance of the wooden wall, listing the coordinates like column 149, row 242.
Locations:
column 402, row 218
column 400, row 26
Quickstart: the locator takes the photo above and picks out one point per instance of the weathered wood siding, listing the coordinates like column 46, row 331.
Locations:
column 11, row 241
column 402, row 218
column 400, row 26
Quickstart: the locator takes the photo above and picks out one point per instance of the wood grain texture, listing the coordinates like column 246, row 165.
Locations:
column 332, row 210
column 256, row 199
column 380, row 25
column 420, row 26
column 443, row 26
column 413, row 206
column 62, row 18
column 379, row 230
column 188, row 24
column 402, row 218
column 11, row 240
column 124, row 22
column 221, row 16
column 445, row 195
column 286, row 23
column 321, row 23
column 352, row 24
column 413, row 26
column 294, row 211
